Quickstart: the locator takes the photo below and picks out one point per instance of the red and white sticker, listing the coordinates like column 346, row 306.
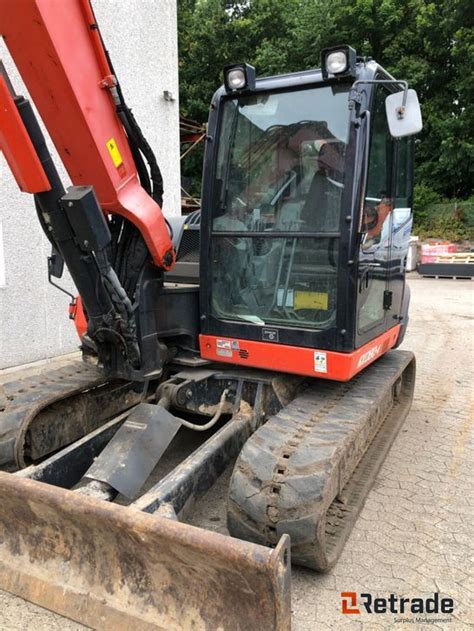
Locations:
column 320, row 362
column 223, row 352
column 225, row 348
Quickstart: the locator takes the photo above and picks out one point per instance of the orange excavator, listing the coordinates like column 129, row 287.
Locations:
column 263, row 322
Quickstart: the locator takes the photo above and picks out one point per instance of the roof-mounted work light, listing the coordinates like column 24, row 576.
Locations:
column 339, row 60
column 239, row 77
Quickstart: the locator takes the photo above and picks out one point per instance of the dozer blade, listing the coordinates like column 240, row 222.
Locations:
column 115, row 567
column 307, row 471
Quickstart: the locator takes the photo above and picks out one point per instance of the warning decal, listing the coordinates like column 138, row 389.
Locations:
column 114, row 152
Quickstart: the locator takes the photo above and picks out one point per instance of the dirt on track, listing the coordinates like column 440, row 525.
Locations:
column 414, row 535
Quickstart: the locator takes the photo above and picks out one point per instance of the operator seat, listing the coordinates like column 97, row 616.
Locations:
column 321, row 210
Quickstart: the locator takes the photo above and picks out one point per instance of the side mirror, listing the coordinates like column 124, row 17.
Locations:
column 403, row 114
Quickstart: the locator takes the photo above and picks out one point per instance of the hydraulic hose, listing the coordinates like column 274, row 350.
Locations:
column 165, row 402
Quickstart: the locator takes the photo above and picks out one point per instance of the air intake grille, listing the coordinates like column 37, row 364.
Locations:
column 188, row 250
column 243, row 354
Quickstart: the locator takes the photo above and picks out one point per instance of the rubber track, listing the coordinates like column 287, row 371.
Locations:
column 22, row 400
column 308, row 470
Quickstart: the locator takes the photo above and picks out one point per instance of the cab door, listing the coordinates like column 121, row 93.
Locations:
column 400, row 227
column 373, row 291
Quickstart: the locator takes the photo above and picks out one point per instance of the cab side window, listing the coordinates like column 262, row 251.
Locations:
column 378, row 199
column 376, row 219
column 402, row 211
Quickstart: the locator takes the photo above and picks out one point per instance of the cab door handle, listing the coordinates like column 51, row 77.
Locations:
column 364, row 279
column 364, row 276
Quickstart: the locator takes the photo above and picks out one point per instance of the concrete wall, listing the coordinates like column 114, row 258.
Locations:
column 141, row 36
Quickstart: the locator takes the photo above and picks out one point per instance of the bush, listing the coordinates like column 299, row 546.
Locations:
column 436, row 218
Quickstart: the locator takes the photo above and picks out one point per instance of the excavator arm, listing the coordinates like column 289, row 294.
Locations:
column 109, row 224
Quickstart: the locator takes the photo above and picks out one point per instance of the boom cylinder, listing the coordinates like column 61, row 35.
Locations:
column 97, row 284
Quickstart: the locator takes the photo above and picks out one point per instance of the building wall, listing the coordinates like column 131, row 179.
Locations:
column 141, row 36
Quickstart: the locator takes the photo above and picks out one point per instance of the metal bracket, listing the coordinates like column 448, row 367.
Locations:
column 132, row 454
column 355, row 96
column 51, row 269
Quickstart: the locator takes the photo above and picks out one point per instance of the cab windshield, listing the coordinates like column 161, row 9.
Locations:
column 277, row 207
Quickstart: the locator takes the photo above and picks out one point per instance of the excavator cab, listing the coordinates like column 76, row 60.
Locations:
column 307, row 211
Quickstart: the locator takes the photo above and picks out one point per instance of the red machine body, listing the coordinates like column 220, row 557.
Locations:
column 295, row 359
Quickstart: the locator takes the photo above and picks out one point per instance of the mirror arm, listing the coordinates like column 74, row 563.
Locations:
column 354, row 96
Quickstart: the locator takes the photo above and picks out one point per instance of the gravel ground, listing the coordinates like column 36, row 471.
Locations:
column 414, row 535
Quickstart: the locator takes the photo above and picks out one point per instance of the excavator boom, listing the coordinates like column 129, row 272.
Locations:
column 109, row 223
column 68, row 76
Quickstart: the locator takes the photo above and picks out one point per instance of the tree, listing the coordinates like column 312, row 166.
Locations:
column 429, row 44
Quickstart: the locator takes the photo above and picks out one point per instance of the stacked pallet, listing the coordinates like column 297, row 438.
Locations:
column 456, row 257
column 449, row 265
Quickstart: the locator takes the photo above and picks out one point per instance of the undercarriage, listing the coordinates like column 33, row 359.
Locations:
column 304, row 456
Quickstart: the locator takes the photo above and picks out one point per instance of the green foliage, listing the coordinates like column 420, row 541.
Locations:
column 429, row 43
column 448, row 227
column 423, row 199
column 442, row 219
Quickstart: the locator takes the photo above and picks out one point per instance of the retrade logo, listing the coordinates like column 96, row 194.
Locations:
column 349, row 602
column 395, row 604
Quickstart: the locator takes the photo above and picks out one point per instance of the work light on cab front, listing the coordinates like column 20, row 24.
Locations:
column 239, row 77
column 339, row 60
